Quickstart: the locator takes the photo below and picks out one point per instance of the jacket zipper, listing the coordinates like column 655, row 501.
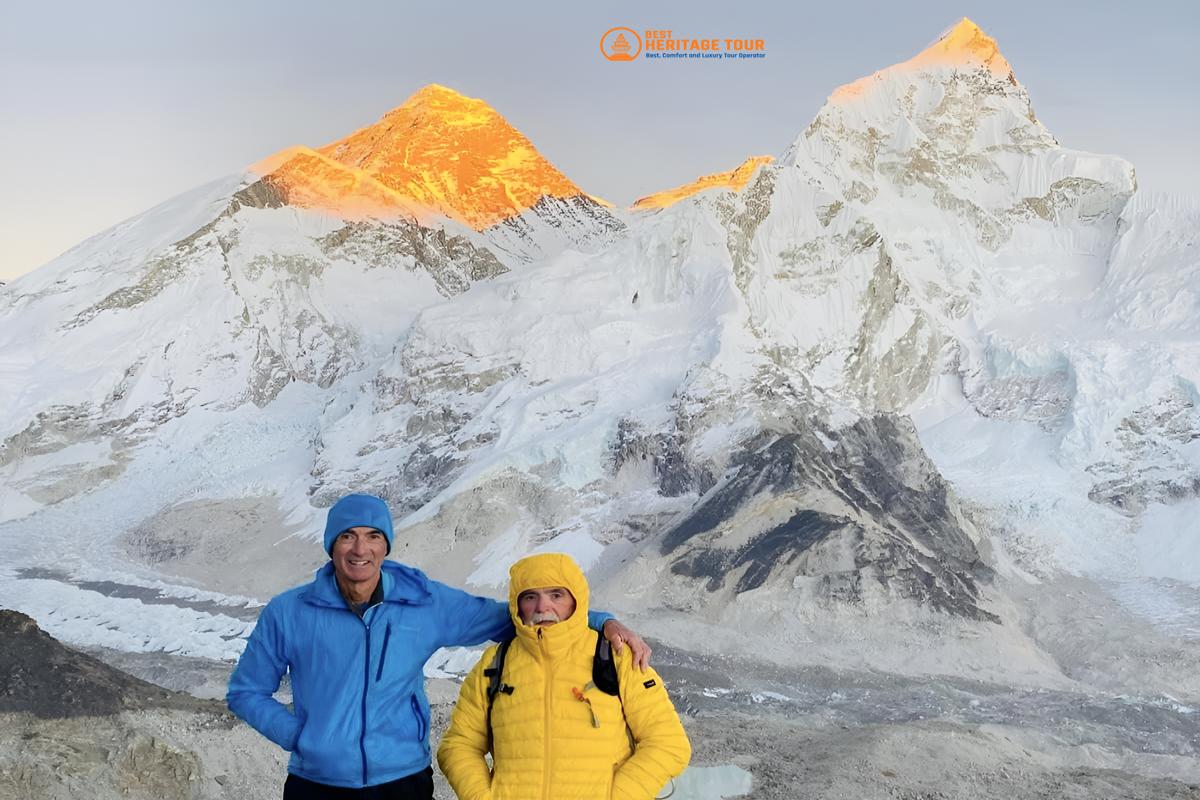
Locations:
column 387, row 634
column 546, row 721
column 362, row 740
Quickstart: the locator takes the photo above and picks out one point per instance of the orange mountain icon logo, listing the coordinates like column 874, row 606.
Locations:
column 616, row 45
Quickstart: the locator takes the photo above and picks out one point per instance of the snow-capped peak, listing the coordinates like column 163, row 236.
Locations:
column 963, row 47
column 965, row 44
column 715, row 392
column 455, row 154
column 953, row 119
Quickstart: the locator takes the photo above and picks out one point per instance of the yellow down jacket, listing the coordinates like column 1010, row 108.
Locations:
column 546, row 743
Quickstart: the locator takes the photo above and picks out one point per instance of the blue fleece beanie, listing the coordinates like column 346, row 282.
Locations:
column 354, row 510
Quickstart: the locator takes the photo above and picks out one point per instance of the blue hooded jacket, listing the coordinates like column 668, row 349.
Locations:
column 360, row 715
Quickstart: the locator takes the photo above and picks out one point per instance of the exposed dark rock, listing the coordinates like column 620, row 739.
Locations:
column 778, row 546
column 741, row 216
column 1146, row 462
column 264, row 193
column 673, row 473
column 453, row 262
column 894, row 520
column 40, row 676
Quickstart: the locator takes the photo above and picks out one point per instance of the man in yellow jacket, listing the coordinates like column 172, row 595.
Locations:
column 554, row 735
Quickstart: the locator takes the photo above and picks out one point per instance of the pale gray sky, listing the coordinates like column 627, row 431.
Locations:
column 112, row 107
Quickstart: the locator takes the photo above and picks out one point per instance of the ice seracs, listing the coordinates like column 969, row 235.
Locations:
column 706, row 404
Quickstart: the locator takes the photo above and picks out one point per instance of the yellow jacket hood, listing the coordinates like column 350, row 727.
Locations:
column 541, row 571
column 554, row 736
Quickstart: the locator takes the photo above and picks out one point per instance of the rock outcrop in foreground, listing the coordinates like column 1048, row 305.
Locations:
column 74, row 727
column 44, row 678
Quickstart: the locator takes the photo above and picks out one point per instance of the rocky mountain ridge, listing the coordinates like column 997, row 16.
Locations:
column 708, row 405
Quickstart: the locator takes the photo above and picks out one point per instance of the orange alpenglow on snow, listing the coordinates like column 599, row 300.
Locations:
column 439, row 153
column 454, row 154
column 734, row 179
column 310, row 180
column 964, row 45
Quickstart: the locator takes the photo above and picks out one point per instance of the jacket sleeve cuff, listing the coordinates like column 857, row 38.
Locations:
column 596, row 620
column 294, row 738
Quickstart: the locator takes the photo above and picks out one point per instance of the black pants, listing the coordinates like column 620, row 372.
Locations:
column 418, row 786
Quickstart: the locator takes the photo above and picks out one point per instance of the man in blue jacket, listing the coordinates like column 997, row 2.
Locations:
column 355, row 640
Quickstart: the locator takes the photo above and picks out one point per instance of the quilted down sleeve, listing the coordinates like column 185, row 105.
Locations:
column 662, row 750
column 460, row 755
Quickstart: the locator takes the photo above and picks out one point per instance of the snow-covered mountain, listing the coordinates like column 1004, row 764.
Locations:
column 817, row 394
column 303, row 269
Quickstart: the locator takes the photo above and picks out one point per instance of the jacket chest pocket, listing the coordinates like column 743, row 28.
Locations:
column 383, row 650
column 395, row 649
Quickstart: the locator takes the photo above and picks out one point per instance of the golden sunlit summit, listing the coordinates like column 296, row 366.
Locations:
column 439, row 153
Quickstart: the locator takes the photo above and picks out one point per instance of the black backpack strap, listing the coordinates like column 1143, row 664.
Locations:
column 604, row 668
column 494, row 674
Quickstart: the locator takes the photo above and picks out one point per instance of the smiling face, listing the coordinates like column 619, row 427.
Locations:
column 545, row 606
column 357, row 556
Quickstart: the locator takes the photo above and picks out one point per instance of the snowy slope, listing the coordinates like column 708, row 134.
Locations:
column 709, row 405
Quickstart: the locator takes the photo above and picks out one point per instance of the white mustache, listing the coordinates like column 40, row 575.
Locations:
column 543, row 616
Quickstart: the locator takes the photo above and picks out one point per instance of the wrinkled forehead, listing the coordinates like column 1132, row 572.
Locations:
column 545, row 589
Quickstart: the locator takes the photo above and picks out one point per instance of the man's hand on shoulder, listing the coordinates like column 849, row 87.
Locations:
column 618, row 636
